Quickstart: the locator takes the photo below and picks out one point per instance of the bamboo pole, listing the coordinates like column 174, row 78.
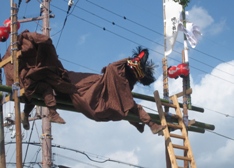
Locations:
column 150, row 98
column 67, row 105
column 198, row 127
column 8, row 89
column 165, row 83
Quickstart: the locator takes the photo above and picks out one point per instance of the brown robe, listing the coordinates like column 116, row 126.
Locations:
column 103, row 97
column 38, row 64
column 99, row 97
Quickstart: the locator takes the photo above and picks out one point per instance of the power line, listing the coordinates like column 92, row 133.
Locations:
column 29, row 141
column 70, row 3
column 105, row 159
column 140, row 44
column 77, row 160
column 220, row 135
column 125, row 18
column 149, row 48
column 113, row 23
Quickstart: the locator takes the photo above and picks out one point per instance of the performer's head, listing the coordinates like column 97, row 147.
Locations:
column 142, row 69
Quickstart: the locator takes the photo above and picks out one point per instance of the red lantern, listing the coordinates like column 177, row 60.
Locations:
column 7, row 23
column 4, row 34
column 183, row 70
column 172, row 72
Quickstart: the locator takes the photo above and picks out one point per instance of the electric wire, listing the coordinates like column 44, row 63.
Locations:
column 103, row 161
column 113, row 23
column 125, row 18
column 19, row 3
column 26, row 152
column 224, row 136
column 220, row 135
column 81, row 152
column 36, row 156
column 134, row 43
column 65, row 20
column 224, row 114
column 79, row 65
column 91, row 165
column 176, row 51
column 149, row 48
column 218, row 112
column 128, row 30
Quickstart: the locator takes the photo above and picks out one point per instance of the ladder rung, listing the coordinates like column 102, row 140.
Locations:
column 180, row 147
column 177, row 136
column 183, row 158
column 174, row 126
column 169, row 105
column 172, row 115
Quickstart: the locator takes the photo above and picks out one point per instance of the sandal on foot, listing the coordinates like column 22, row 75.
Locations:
column 55, row 118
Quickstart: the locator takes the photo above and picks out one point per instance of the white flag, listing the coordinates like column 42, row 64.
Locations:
column 192, row 33
column 172, row 13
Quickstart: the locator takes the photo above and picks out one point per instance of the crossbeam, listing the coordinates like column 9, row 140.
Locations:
column 62, row 104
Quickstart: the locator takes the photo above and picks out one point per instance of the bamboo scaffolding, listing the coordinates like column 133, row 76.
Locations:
column 67, row 105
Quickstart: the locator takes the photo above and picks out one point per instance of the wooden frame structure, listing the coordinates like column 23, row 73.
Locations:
column 175, row 122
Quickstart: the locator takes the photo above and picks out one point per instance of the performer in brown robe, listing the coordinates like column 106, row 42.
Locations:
column 99, row 97
column 108, row 97
column 40, row 72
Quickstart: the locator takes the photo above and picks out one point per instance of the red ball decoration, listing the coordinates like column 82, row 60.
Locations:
column 7, row 23
column 183, row 70
column 172, row 72
column 4, row 34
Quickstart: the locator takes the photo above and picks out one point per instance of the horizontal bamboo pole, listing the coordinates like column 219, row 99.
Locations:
column 67, row 105
column 130, row 117
column 155, row 118
column 151, row 98
column 135, row 95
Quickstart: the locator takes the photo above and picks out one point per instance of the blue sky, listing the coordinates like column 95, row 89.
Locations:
column 84, row 46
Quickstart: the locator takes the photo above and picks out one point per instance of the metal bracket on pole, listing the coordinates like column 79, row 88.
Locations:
column 46, row 136
column 186, row 121
column 16, row 87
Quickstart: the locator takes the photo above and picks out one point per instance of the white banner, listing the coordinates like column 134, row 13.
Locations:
column 172, row 13
column 192, row 33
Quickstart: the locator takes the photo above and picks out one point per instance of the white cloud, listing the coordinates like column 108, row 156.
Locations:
column 201, row 18
column 121, row 141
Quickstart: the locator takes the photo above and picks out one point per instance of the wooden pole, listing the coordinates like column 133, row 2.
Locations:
column 2, row 142
column 16, row 87
column 46, row 125
column 165, row 83
column 186, row 82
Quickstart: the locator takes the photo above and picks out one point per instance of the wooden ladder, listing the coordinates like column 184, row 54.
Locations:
column 172, row 148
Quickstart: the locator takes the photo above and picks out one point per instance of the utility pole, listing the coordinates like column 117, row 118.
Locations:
column 2, row 142
column 46, row 125
column 15, row 86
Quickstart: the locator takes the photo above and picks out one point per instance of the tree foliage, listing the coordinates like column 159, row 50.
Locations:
column 183, row 2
